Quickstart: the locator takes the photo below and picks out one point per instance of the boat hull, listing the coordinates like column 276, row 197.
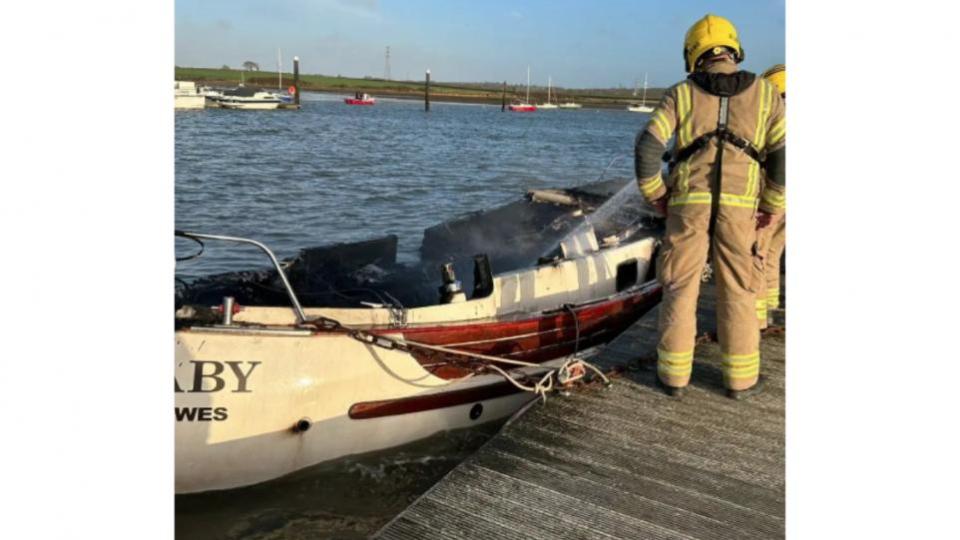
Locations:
column 189, row 101
column 240, row 395
column 249, row 106
column 264, row 397
column 352, row 101
column 232, row 436
column 522, row 108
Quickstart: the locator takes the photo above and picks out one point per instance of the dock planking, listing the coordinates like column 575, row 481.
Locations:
column 626, row 461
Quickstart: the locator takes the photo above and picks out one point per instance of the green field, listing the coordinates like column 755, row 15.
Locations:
column 491, row 92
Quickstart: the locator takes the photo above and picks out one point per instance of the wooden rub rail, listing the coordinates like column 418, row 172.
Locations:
column 628, row 462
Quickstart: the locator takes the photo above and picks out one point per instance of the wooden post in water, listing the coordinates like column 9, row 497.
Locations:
column 503, row 98
column 296, row 81
column 426, row 94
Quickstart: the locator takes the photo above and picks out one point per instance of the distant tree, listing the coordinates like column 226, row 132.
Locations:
column 224, row 67
column 251, row 66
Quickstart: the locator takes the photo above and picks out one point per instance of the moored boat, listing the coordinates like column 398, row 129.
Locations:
column 548, row 104
column 269, row 387
column 186, row 96
column 360, row 99
column 268, row 390
column 522, row 107
column 570, row 105
column 246, row 98
column 525, row 105
column 641, row 107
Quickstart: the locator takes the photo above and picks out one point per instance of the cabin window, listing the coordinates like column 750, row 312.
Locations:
column 627, row 273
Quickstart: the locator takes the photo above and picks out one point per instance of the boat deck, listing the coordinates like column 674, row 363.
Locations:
column 625, row 462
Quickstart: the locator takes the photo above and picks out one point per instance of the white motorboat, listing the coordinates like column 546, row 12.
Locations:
column 186, row 96
column 570, row 105
column 246, row 99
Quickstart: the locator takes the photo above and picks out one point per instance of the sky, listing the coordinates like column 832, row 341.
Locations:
column 580, row 44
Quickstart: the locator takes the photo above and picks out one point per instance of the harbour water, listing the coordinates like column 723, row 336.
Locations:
column 333, row 173
column 349, row 500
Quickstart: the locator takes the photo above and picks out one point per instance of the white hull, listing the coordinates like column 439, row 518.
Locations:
column 240, row 390
column 249, row 106
column 547, row 106
column 643, row 107
column 185, row 96
column 317, row 378
column 189, row 101
column 570, row 106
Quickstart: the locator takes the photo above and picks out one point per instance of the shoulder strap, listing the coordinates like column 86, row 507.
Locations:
column 724, row 114
column 721, row 133
column 716, row 187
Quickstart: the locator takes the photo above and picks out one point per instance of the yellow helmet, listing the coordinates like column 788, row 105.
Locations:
column 709, row 32
column 778, row 76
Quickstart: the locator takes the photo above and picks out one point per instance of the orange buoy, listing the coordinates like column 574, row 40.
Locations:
column 292, row 90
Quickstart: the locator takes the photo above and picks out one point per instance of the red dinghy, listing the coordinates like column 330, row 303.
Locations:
column 360, row 99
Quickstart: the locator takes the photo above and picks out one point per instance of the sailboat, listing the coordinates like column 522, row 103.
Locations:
column 643, row 107
column 267, row 386
column 548, row 105
column 570, row 104
column 525, row 105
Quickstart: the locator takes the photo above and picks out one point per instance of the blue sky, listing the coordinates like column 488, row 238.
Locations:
column 603, row 43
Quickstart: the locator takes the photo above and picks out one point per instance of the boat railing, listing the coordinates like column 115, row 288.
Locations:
column 297, row 308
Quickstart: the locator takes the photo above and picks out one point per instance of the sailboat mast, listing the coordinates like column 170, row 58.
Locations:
column 528, row 84
column 644, row 88
column 279, row 71
column 549, row 84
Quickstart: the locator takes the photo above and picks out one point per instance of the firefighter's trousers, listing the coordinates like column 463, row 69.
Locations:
column 778, row 240
column 738, row 270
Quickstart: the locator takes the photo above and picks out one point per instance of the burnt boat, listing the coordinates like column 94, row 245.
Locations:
column 265, row 390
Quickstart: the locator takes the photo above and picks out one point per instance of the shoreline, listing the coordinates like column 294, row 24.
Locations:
column 475, row 93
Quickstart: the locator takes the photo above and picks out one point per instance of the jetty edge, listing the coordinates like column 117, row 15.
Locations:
column 628, row 462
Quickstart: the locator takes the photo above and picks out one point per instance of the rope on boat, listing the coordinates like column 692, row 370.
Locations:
column 572, row 369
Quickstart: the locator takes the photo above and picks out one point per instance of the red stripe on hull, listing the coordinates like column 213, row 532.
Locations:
column 390, row 407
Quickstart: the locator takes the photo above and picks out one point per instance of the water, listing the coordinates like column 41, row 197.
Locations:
column 334, row 173
column 348, row 500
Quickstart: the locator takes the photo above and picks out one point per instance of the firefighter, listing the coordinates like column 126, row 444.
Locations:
column 729, row 126
column 768, row 298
